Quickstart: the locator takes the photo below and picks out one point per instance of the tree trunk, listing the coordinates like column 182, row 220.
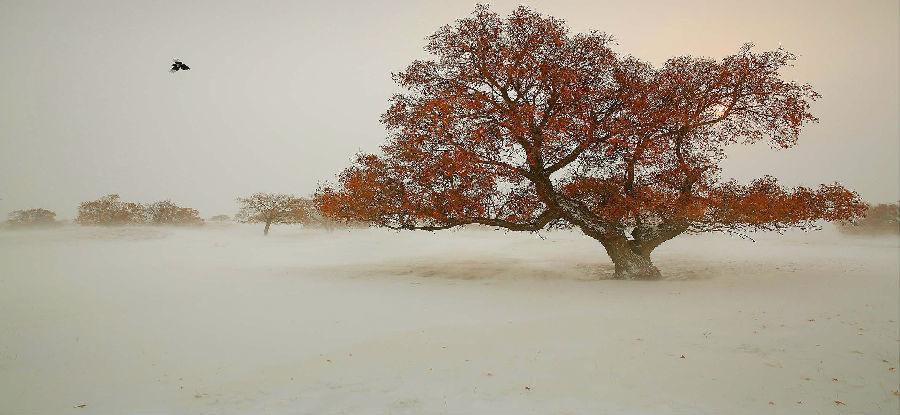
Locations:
column 632, row 263
column 266, row 231
column 631, row 257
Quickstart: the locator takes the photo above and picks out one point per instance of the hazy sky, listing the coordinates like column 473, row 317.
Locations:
column 280, row 95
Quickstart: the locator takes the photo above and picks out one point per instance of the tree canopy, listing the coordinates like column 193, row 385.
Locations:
column 519, row 124
column 272, row 208
column 31, row 217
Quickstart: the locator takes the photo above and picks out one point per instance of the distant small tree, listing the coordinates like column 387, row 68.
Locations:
column 315, row 218
column 167, row 213
column 882, row 218
column 220, row 218
column 109, row 210
column 31, row 217
column 271, row 208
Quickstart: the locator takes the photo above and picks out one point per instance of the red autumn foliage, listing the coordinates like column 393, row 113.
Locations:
column 521, row 125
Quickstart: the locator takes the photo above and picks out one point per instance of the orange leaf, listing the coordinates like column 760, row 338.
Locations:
column 771, row 403
column 839, row 403
column 682, row 357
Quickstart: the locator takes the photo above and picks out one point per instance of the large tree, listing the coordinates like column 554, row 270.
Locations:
column 518, row 124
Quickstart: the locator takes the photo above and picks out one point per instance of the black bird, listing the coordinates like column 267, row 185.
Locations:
column 178, row 65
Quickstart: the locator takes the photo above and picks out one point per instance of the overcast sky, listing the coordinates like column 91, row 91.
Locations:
column 280, row 94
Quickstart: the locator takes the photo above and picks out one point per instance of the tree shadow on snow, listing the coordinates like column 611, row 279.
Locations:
column 512, row 269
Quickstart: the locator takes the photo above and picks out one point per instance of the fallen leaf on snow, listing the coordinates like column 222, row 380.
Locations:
column 771, row 403
column 839, row 403
column 527, row 388
column 896, row 393
column 834, row 379
column 80, row 406
column 682, row 357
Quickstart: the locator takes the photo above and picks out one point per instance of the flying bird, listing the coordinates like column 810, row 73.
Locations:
column 178, row 66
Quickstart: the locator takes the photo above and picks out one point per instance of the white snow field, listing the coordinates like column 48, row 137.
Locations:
column 224, row 320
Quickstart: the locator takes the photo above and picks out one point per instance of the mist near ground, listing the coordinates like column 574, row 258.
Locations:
column 281, row 95
column 222, row 319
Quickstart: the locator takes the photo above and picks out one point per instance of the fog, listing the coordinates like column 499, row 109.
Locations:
column 280, row 95
column 222, row 319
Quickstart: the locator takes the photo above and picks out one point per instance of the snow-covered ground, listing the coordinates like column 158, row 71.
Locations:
column 222, row 319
